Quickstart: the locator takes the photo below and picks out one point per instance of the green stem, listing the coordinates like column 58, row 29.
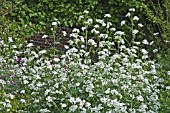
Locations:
column 86, row 37
column 54, row 44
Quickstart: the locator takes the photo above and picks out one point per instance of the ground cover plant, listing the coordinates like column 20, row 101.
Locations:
column 104, row 73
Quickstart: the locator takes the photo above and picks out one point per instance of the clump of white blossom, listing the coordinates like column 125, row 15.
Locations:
column 122, row 79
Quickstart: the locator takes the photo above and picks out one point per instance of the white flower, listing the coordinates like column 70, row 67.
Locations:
column 104, row 100
column 42, row 52
column 73, row 108
column 101, row 22
column 74, row 35
column 140, row 25
column 22, row 91
column 44, row 36
column 168, row 72
column 76, row 30
column 82, row 46
column 144, row 51
column 36, row 101
column 44, row 110
column 86, row 12
column 135, row 18
column 137, row 43
column 56, row 19
column 2, row 82
column 82, row 39
column 64, row 33
column 151, row 43
column 26, row 82
column 72, row 100
column 49, row 99
column 11, row 96
column 22, row 101
column 96, row 26
column 74, row 50
column 37, row 77
column 107, row 16
column 10, row 39
column 108, row 24
column 66, row 47
column 70, row 42
column 167, row 87
column 155, row 50
column 119, row 33
column 87, row 104
column 54, row 23
column 89, row 21
column 145, row 42
column 92, row 42
column 122, row 23
column 112, row 29
column 30, row 45
column 132, row 9
column 8, row 105
column 103, row 36
column 83, row 28
column 156, row 34
column 77, row 84
column 63, row 105
column 135, row 31
column 128, row 15
column 107, row 91
column 56, row 59
column 95, row 31
column 81, row 17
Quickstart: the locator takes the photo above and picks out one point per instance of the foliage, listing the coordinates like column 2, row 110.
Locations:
column 41, row 13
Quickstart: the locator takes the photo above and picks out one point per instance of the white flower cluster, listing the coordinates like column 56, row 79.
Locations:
column 122, row 79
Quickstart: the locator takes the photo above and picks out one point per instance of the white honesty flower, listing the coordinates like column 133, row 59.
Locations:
column 112, row 29
column 63, row 105
column 140, row 25
column 64, row 33
column 66, row 46
column 145, row 42
column 10, row 39
column 107, row 15
column 119, row 33
column 155, row 50
column 83, row 28
column 76, row 30
column 86, row 12
column 135, row 31
column 140, row 98
column 81, row 17
column 44, row 36
column 56, row 59
column 54, row 23
column 144, row 51
column 132, row 9
column 30, row 45
column 96, row 26
column 22, row 101
column 128, row 15
column 168, row 72
column 42, row 52
column 89, row 21
column 44, row 110
column 122, row 23
column 135, row 18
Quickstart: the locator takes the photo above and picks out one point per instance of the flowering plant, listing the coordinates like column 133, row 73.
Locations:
column 103, row 73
